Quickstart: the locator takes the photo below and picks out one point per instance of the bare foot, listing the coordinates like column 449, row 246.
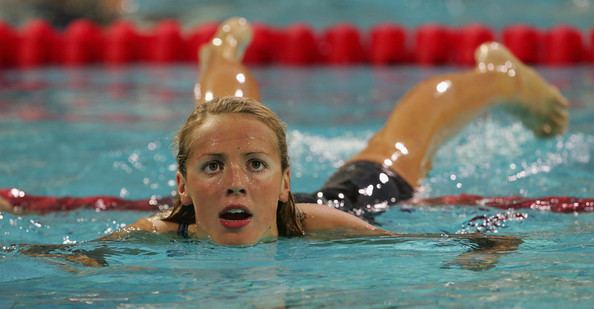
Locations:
column 232, row 38
column 221, row 70
column 540, row 105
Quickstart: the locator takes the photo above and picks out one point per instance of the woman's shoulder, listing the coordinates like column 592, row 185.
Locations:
column 154, row 224
column 321, row 218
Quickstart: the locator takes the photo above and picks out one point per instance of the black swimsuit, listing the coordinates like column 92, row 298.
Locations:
column 362, row 188
column 182, row 230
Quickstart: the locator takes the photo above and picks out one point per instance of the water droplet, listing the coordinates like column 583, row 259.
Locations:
column 124, row 192
column 484, row 223
column 67, row 241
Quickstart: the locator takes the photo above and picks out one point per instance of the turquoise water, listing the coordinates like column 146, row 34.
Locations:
column 97, row 131
column 366, row 13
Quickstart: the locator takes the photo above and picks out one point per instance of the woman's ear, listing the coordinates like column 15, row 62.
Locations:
column 181, row 189
column 285, row 186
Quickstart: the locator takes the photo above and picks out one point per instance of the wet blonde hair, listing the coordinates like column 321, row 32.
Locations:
column 289, row 220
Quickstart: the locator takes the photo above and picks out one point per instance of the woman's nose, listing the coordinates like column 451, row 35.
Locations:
column 235, row 191
column 236, row 180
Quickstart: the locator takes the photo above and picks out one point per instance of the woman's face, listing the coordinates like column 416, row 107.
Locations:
column 234, row 179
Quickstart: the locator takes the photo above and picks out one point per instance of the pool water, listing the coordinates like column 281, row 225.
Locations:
column 98, row 131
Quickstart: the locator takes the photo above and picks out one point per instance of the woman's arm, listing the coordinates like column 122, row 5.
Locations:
column 486, row 251
column 84, row 257
column 97, row 256
column 327, row 221
column 152, row 224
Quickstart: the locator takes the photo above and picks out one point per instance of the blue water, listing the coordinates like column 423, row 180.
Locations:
column 367, row 13
column 98, row 131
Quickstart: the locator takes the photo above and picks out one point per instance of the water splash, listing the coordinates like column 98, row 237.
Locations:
column 67, row 241
column 485, row 224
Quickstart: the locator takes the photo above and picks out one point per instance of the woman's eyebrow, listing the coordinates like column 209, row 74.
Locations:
column 256, row 153
column 212, row 155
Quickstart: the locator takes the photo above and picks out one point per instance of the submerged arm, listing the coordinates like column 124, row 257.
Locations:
column 93, row 258
column 327, row 222
column 487, row 251
column 96, row 257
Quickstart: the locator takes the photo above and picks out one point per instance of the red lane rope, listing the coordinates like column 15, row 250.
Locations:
column 26, row 203
column 561, row 204
column 83, row 42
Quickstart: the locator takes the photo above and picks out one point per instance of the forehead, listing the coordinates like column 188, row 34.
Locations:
column 239, row 130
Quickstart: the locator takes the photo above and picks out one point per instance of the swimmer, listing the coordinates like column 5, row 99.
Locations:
column 234, row 180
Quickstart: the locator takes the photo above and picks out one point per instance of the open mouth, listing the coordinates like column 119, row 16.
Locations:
column 235, row 217
column 235, row 214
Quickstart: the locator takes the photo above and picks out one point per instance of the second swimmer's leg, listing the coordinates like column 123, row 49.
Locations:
column 222, row 72
column 438, row 108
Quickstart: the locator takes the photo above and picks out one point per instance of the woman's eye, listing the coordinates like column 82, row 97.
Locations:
column 256, row 165
column 212, row 167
